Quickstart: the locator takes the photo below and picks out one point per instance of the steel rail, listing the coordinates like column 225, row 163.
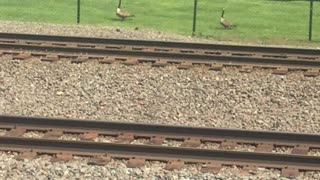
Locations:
column 236, row 60
column 161, row 153
column 166, row 44
column 296, row 140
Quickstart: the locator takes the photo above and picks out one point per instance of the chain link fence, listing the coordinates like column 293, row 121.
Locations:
column 256, row 20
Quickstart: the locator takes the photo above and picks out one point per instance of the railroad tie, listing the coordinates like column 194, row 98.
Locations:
column 212, row 166
column 156, row 140
column 27, row 154
column 312, row 73
column 174, row 164
column 125, row 137
column 216, row 66
column 301, row 149
column 99, row 160
column 89, row 136
column 135, row 162
column 290, row 172
column 53, row 133
column 191, row 142
column 264, row 147
column 50, row 58
column 16, row 132
column 22, row 56
column 280, row 71
column 62, row 157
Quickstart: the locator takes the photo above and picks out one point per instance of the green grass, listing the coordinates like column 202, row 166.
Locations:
column 260, row 21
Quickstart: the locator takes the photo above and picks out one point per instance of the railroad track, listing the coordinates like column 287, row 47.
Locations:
column 184, row 55
column 152, row 150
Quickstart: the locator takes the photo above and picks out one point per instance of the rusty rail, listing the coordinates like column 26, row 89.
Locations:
column 264, row 141
column 213, row 160
column 163, row 44
column 162, row 53
column 176, row 157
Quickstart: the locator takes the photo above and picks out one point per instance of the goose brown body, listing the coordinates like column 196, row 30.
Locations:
column 225, row 23
column 122, row 13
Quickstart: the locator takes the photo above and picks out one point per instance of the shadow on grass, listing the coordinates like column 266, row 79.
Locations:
column 120, row 20
column 222, row 28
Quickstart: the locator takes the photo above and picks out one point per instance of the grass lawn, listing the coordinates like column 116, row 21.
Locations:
column 263, row 21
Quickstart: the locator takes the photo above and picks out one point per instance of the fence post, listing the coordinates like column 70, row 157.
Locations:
column 194, row 17
column 310, row 20
column 78, row 12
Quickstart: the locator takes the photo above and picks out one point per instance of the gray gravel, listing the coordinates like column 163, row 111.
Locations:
column 314, row 152
column 107, row 139
column 282, row 150
column 2, row 132
column 70, row 137
column 33, row 134
column 245, row 147
column 210, row 145
column 140, row 93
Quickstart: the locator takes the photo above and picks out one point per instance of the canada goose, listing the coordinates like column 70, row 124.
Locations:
column 122, row 13
column 226, row 23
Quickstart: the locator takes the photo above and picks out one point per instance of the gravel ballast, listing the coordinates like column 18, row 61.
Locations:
column 195, row 97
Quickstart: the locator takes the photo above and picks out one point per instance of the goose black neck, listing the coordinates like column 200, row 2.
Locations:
column 222, row 14
column 119, row 4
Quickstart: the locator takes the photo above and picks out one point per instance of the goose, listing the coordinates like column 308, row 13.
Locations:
column 122, row 13
column 226, row 23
